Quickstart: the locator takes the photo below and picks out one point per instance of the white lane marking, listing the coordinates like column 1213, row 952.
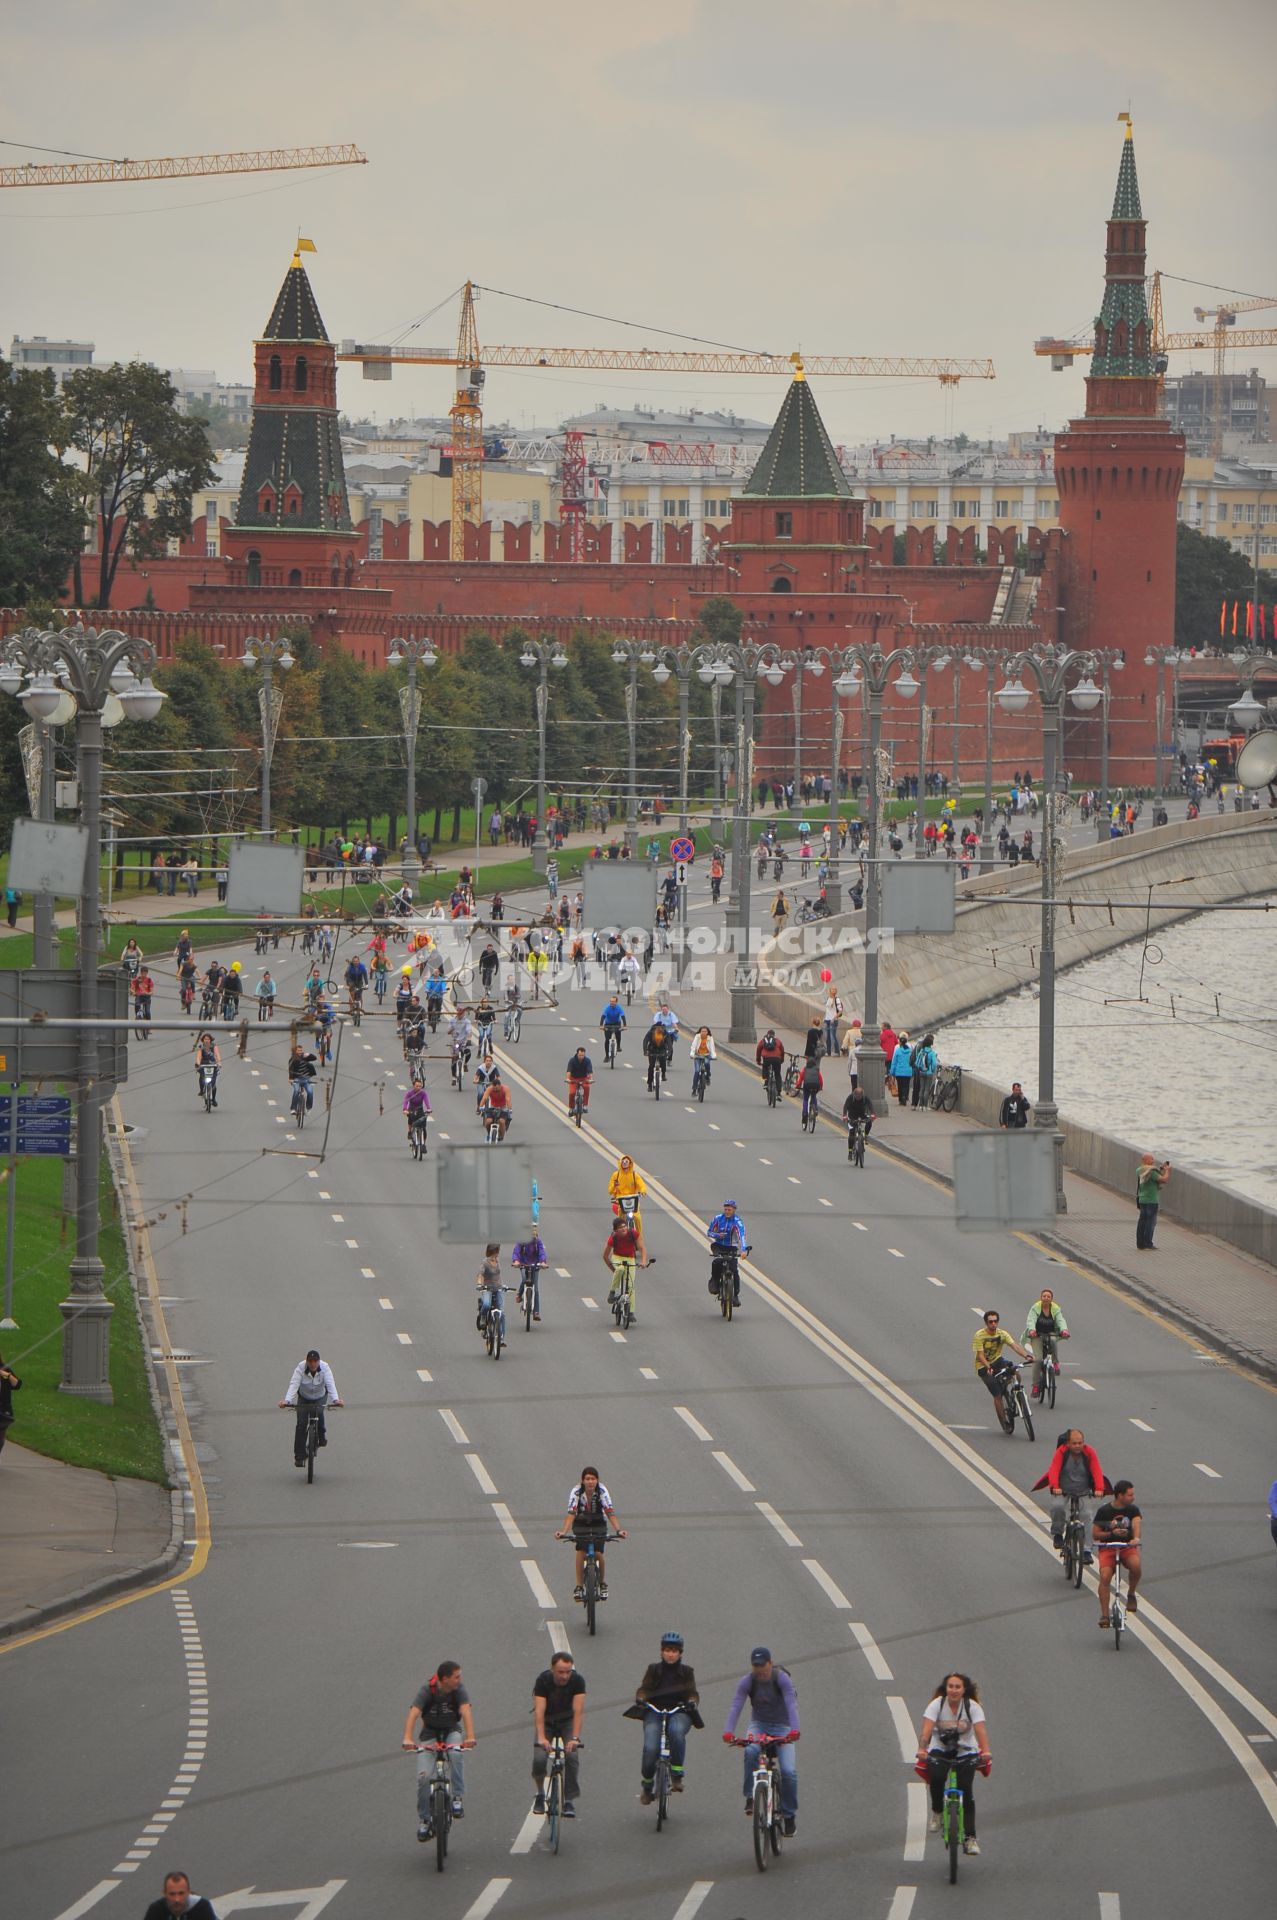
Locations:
column 977, row 1311
column 340, row 1218
column 387, row 1306
column 367, row 1273
column 558, row 1636
column 563, row 1273
column 782, row 1527
column 762, row 1162
column 871, row 1650
column 649, row 1373
column 404, row 1339
column 1110, row 1906
column 618, row 1336
column 793, row 1180
column 1142, row 1425
column 906, row 1733
column 1208, row 1471
column 915, row 1821
column 860, row 1226
column 272, row 1103
column 689, row 1418
column 733, row 1472
column 90, row 1899
column 693, row 1900
column 714, row 1127
column 311, row 1174
column 827, row 1586
column 738, row 1143
column 936, row 1282
column 1259, row 1739
column 481, row 1473
column 526, row 1838
column 505, row 1519
column 895, row 1253
column 536, row 1580
column 454, row 1426
column 826, row 1203
column 487, row 1900
column 280, row 1120
column 902, row 1902
column 352, row 1243
column 586, row 1301
column 424, row 1374
column 323, row 1195
column 689, row 1109
column 1084, row 1384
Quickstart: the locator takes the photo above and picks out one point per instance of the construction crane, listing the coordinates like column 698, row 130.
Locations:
column 1223, row 335
column 471, row 361
column 39, row 173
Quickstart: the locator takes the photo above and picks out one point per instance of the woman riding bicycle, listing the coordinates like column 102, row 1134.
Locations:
column 207, row 1056
column 625, row 1190
column 954, row 1737
column 590, row 1513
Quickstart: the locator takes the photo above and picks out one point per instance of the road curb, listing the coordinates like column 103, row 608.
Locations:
column 95, row 1592
column 1258, row 1364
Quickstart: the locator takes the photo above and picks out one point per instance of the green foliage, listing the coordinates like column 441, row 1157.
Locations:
column 142, row 462
column 40, row 521
column 1206, row 572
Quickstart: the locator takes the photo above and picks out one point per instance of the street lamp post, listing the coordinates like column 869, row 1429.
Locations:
column 268, row 654
column 543, row 654
column 716, row 716
column 629, row 653
column 416, row 651
column 1158, row 657
column 1110, row 662
column 989, row 661
column 922, row 656
column 100, row 671
column 845, row 683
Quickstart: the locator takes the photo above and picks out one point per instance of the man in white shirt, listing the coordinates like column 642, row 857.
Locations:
column 311, row 1386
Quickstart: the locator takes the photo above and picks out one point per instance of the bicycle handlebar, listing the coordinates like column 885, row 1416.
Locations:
column 761, row 1739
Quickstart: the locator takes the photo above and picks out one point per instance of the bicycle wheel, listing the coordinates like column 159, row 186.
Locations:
column 1070, row 1549
column 591, row 1585
column 441, row 1811
column 761, row 1824
column 1048, row 1383
column 662, row 1792
column 1079, row 1558
column 860, row 1149
column 1023, row 1408
column 700, row 1088
column 578, row 1110
column 657, row 1077
column 498, row 1333
column 554, row 1810
column 626, row 1316
column 312, row 1448
column 1007, row 1415
column 529, row 1296
column 776, row 1829
column 772, row 1094
column 726, row 1296
column 949, row 1098
column 953, row 1835
column 1119, row 1621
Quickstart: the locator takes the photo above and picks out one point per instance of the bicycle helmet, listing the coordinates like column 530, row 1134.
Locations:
column 672, row 1640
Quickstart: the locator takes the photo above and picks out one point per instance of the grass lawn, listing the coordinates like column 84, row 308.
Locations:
column 122, row 1439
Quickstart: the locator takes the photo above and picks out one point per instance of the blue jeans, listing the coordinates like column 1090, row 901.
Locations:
column 788, row 1769
column 1144, row 1226
column 831, row 1036
column 678, row 1724
column 426, row 1766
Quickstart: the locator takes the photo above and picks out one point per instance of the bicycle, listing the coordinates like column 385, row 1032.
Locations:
column 771, row 1081
column 265, row 1007
column 662, row 1780
column 576, row 1106
column 700, row 1076
column 491, row 1117
column 610, row 1045
column 298, row 1104
column 621, row 1293
column 208, row 1082
column 142, row 1016
column 1075, row 1548
column 417, row 1130
column 186, row 995
column 208, row 1003
column 438, row 1822
column 324, row 1045
column 1015, row 1405
column 483, row 1044
column 727, row 1284
column 379, row 984
column 356, row 1007
column 593, row 1589
column 526, row 1296
column 310, row 1446
column 811, row 1111
column 768, row 1822
column 1047, row 1370
column 261, row 941
column 414, row 1062
column 656, row 1074
column 433, row 1009
column 946, row 1089
column 953, row 1826
column 856, row 1142
column 513, row 1025
column 494, row 1323
column 793, row 1072
column 460, row 1066
column 1118, row 1602
column 555, row 1789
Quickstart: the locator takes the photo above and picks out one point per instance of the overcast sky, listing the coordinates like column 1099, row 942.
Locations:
column 845, row 176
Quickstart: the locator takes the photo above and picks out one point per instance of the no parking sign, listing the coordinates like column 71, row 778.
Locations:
column 682, row 849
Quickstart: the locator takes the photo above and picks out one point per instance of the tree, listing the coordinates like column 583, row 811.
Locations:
column 1207, row 571
column 222, row 430
column 143, row 461
column 41, row 526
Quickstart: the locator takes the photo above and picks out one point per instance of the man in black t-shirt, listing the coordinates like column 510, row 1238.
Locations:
column 558, row 1701
column 1117, row 1526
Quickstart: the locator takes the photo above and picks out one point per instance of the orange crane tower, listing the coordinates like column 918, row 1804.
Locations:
column 79, row 173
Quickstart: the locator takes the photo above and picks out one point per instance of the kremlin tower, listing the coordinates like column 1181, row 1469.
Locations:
column 1119, row 471
column 293, row 526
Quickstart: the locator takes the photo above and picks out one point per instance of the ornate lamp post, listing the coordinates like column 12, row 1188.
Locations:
column 267, row 654
column 628, row 653
column 977, row 659
column 922, row 656
column 1110, row 663
column 543, row 654
column 417, row 651
column 1158, row 657
column 108, row 676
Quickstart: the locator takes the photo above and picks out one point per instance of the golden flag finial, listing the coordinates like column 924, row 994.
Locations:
column 1130, row 127
column 800, row 371
column 303, row 246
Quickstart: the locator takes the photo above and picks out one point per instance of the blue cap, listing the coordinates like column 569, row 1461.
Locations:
column 760, row 1656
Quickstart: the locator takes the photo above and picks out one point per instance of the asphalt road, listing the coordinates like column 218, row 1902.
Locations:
column 823, row 1475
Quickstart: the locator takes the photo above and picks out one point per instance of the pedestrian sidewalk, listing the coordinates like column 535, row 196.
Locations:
column 1200, row 1283
column 72, row 1538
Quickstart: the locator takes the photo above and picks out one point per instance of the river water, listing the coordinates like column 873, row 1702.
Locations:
column 1170, row 1044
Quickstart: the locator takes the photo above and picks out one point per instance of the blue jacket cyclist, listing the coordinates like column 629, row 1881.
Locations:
column 773, row 1708
column 726, row 1231
column 612, row 1020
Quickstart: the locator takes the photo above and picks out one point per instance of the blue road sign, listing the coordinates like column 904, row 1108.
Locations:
column 35, row 1103
column 50, row 1143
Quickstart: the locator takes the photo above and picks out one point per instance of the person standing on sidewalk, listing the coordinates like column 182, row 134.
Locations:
column 925, row 1063
column 1014, row 1111
column 833, row 1014
column 9, row 1384
column 901, row 1068
column 1148, row 1195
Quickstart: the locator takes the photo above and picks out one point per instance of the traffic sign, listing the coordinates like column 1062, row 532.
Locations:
column 680, row 872
column 682, row 849
column 50, row 1143
column 35, row 1123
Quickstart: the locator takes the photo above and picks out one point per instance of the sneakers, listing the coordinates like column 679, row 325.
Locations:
column 791, row 1828
column 538, row 1805
column 424, row 1830
column 569, row 1809
column 676, row 1784
column 299, row 1463
column 578, row 1593
column 749, row 1809
column 971, row 1846
column 602, row 1589
column 646, row 1796
column 1088, row 1557
column 458, row 1811
column 536, row 1316
column 933, row 1823
column 1057, row 1541
column 1035, row 1393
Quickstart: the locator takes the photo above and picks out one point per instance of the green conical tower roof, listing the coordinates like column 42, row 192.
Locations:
column 1126, row 201
column 1123, row 332
column 798, row 461
column 295, row 315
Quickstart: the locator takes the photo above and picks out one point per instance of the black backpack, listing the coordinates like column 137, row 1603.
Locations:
column 776, row 1668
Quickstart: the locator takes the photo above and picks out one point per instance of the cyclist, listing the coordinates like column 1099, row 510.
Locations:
column 667, row 1018
column 726, row 1234
column 301, row 1067
column 1074, row 1470
column 580, row 1074
column 858, row 1107
column 486, row 1281
column 356, row 978
column 773, row 1709
column 403, row 992
column 1116, row 1529
column 143, row 988
column 657, row 1046
column 485, row 1019
column 702, row 1052
column 629, row 974
column 461, row 1034
column 380, row 977
column 670, row 1684
column 416, row 1107
column 187, row 977
column 207, row 1054
column 530, row 1253
column 131, row 959
column 558, row 1705
column 589, row 1515
column 312, row 1385
column 325, row 1016
column 213, row 978
column 627, row 1184
column 442, row 1707
column 623, row 1243
column 811, row 1086
column 183, row 950
column 513, row 1008
column 483, row 1077
column 989, row 1344
column 770, row 1056
column 436, row 987
column 266, row 996
column 497, row 1102
column 313, row 989
column 413, row 1027
column 1044, row 1320
column 232, row 987
column 612, row 1021
column 954, row 1735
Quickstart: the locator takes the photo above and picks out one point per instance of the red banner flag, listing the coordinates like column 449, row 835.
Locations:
column 1234, row 619
column 1250, row 620
column 1261, row 619
column 1223, row 617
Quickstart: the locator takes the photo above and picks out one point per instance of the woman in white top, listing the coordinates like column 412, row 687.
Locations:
column 954, row 1734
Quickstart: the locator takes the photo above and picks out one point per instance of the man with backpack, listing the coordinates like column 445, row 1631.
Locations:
column 925, row 1062
column 773, row 1709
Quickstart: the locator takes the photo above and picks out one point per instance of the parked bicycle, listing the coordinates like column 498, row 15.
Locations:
column 946, row 1089
column 793, row 1072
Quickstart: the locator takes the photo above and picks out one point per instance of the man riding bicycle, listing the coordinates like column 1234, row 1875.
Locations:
column 580, row 1074
column 301, row 1068
column 529, row 1256
column 626, row 1188
column 657, row 1048
column 1116, row 1530
column 356, row 978
column 497, row 1105
column 858, row 1110
column 311, row 1386
column 1044, row 1322
column 770, row 1056
column 773, row 1710
column 669, row 1686
column 622, row 1247
column 989, row 1343
column 461, row 1035
column 1075, row 1473
column 441, row 1711
column 726, row 1236
column 811, row 1087
column 612, row 1022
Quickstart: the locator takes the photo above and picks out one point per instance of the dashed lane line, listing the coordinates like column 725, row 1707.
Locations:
column 486, row 1483
column 387, row 1306
column 482, row 1907
column 1084, row 1384
column 1142, row 1425
column 454, row 1426
column 536, row 1580
column 424, row 1374
column 895, row 1253
column 689, row 1419
column 828, row 1586
column 693, row 1900
column 871, row 1650
column 564, row 1273
column 649, row 1373
column 902, row 1902
column 618, row 1336
column 529, row 1833
column 733, row 1472
column 915, row 1821
column 825, row 1203
column 905, row 1732
column 860, row 1226
column 586, row 1301
column 1208, row 1471
column 404, row 1339
column 368, row 1273
column 507, row 1524
column 782, row 1527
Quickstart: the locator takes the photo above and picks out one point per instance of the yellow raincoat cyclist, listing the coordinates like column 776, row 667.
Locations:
column 628, row 1183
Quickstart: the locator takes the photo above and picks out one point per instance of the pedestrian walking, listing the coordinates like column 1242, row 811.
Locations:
column 221, row 873
column 9, row 1384
column 1148, row 1195
column 902, row 1069
column 12, row 901
column 925, row 1062
column 1014, row 1111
